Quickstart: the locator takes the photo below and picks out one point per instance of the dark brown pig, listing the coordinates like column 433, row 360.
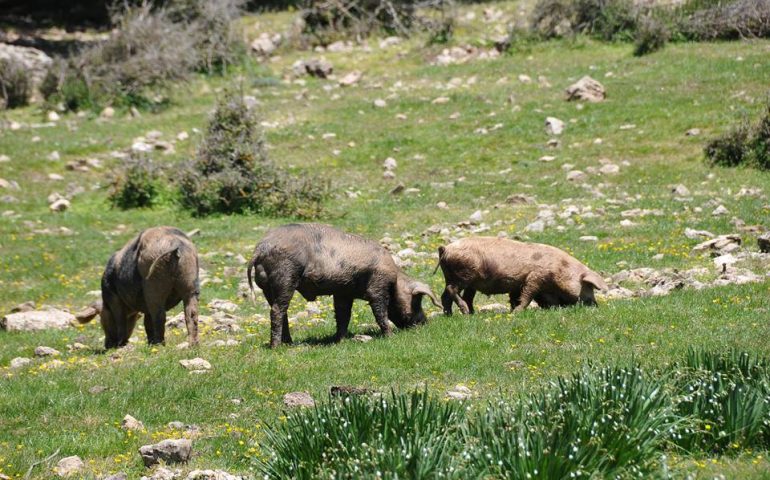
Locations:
column 524, row 271
column 317, row 260
column 152, row 273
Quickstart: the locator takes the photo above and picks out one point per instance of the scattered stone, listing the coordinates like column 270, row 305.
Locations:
column 37, row 320
column 263, row 45
column 230, row 342
column 69, row 466
column 380, row 103
column 494, row 308
column 476, row 216
column 362, row 338
column 547, row 158
column 576, row 176
column 20, row 362
column 117, row 476
column 97, row 389
column 680, row 191
column 720, row 245
column 351, row 78
column 719, row 211
column 627, row 223
column 298, row 399
column 389, row 42
column 609, row 169
column 586, row 89
column 42, row 351
column 108, row 112
column 319, row 68
column 589, row 238
column 763, row 242
column 212, row 475
column 389, row 163
column 131, row 423
column 222, row 305
column 442, row 205
column 163, row 473
column 168, row 451
column 724, row 261
column 346, row 390
column 553, row 126
column 514, row 364
column 59, row 205
column 536, row 226
column 459, row 392
column 693, row 132
column 440, row 100
column 195, row 364
column 693, row 234
column 53, row 116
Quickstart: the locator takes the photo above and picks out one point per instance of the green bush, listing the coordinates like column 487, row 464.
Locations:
column 745, row 144
column 603, row 19
column 729, row 20
column 136, row 183
column 400, row 436
column 14, row 84
column 232, row 173
column 651, row 36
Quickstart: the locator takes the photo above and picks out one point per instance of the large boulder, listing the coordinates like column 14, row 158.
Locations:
column 169, row 451
column 69, row 466
column 586, row 89
column 34, row 61
column 37, row 320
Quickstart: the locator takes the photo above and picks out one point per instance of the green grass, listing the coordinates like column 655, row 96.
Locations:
column 663, row 94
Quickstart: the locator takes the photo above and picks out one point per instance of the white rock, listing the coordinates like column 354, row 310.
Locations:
column 389, row 163
column 697, row 234
column 298, row 399
column 627, row 223
column 42, row 351
column 108, row 112
column 59, row 205
column 37, row 320
column 576, row 176
column 586, row 89
column 680, row 191
column 69, row 466
column 589, row 238
column 195, row 364
column 440, row 100
column 553, row 126
column 609, row 169
column 20, row 362
column 362, row 338
column 351, row 78
column 168, row 451
column 53, row 116
column 380, row 103
column 720, row 210
column 536, row 226
column 476, row 216
column 212, row 475
column 131, row 423
column 442, row 205
column 725, row 260
column 222, row 305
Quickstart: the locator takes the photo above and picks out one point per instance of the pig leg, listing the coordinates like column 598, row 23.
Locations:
column 380, row 310
column 468, row 295
column 342, row 309
column 158, row 320
column 531, row 287
column 279, row 317
column 452, row 294
column 117, row 322
column 149, row 328
column 191, row 319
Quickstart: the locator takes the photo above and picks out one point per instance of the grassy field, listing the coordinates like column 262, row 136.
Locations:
column 440, row 151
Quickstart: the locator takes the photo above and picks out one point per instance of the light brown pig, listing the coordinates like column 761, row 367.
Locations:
column 525, row 271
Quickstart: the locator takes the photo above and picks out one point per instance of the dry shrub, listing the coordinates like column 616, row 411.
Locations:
column 136, row 183
column 603, row 19
column 233, row 174
column 729, row 21
column 651, row 36
column 15, row 84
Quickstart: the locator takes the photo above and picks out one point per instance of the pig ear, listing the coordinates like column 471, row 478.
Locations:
column 88, row 313
column 422, row 289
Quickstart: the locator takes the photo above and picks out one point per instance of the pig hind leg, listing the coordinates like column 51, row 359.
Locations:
column 452, row 295
column 468, row 295
column 156, row 295
column 280, row 289
column 117, row 322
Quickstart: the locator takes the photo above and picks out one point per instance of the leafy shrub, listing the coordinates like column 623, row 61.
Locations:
column 135, row 184
column 211, row 22
column 607, row 423
column 726, row 398
column 651, row 36
column 745, row 144
column 15, row 84
column 232, row 173
column 402, row 435
column 146, row 51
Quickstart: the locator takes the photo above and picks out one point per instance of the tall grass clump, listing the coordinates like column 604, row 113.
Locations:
column 725, row 398
column 232, row 173
column 15, row 84
column 398, row 435
column 745, row 144
column 606, row 423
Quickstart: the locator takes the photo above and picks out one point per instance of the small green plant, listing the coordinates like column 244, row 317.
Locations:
column 725, row 397
column 14, row 84
column 745, row 144
column 136, row 183
column 651, row 36
column 400, row 435
column 232, row 173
